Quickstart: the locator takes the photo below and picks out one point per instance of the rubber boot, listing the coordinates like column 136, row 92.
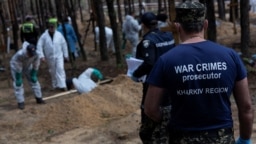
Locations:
column 40, row 101
column 21, row 105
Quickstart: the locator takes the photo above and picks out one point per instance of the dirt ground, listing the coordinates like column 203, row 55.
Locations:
column 109, row 114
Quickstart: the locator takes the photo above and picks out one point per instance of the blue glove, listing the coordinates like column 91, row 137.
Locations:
column 33, row 75
column 18, row 77
column 98, row 74
column 243, row 141
column 127, row 56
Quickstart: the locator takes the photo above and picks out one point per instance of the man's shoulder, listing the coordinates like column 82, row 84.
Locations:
column 19, row 55
column 146, row 43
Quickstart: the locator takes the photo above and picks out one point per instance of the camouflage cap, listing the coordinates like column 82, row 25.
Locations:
column 190, row 12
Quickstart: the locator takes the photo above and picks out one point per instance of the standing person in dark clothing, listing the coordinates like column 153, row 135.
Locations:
column 200, row 77
column 28, row 31
column 153, row 45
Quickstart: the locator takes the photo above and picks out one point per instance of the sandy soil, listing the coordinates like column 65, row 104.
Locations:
column 109, row 114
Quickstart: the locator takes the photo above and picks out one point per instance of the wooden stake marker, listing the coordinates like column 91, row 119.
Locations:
column 106, row 81
column 60, row 94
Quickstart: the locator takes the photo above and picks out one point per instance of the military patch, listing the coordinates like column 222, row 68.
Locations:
column 146, row 43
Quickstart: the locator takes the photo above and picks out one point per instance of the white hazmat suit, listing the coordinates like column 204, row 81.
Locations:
column 131, row 30
column 54, row 50
column 253, row 6
column 161, row 24
column 109, row 38
column 84, row 83
column 23, row 64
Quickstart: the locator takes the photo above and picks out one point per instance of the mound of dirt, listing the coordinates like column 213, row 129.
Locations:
column 104, row 104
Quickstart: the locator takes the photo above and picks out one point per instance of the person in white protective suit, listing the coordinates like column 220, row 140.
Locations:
column 109, row 38
column 84, row 83
column 162, row 19
column 26, row 62
column 53, row 49
column 253, row 6
column 131, row 29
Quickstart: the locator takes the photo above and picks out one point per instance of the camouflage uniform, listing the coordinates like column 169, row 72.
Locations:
column 221, row 136
column 161, row 134
column 156, row 133
column 146, row 129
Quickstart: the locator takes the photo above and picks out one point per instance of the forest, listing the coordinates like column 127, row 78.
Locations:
column 111, row 13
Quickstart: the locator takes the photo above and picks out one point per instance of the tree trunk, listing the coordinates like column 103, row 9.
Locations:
column 72, row 13
column 20, row 11
column 221, row 10
column 172, row 14
column 132, row 6
column 245, row 27
column 115, row 29
column 80, row 11
column 71, row 59
column 211, row 31
column 93, row 19
column 159, row 6
column 142, row 9
column 50, row 6
column 41, row 10
column 165, row 5
column 32, row 7
column 98, row 7
column 40, row 18
column 14, row 24
column 120, row 19
column 233, row 10
column 126, row 10
column 4, row 27
column 129, row 6
column 59, row 10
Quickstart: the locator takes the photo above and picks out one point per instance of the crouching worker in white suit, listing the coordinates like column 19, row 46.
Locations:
column 109, row 38
column 84, row 83
column 53, row 49
column 26, row 61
